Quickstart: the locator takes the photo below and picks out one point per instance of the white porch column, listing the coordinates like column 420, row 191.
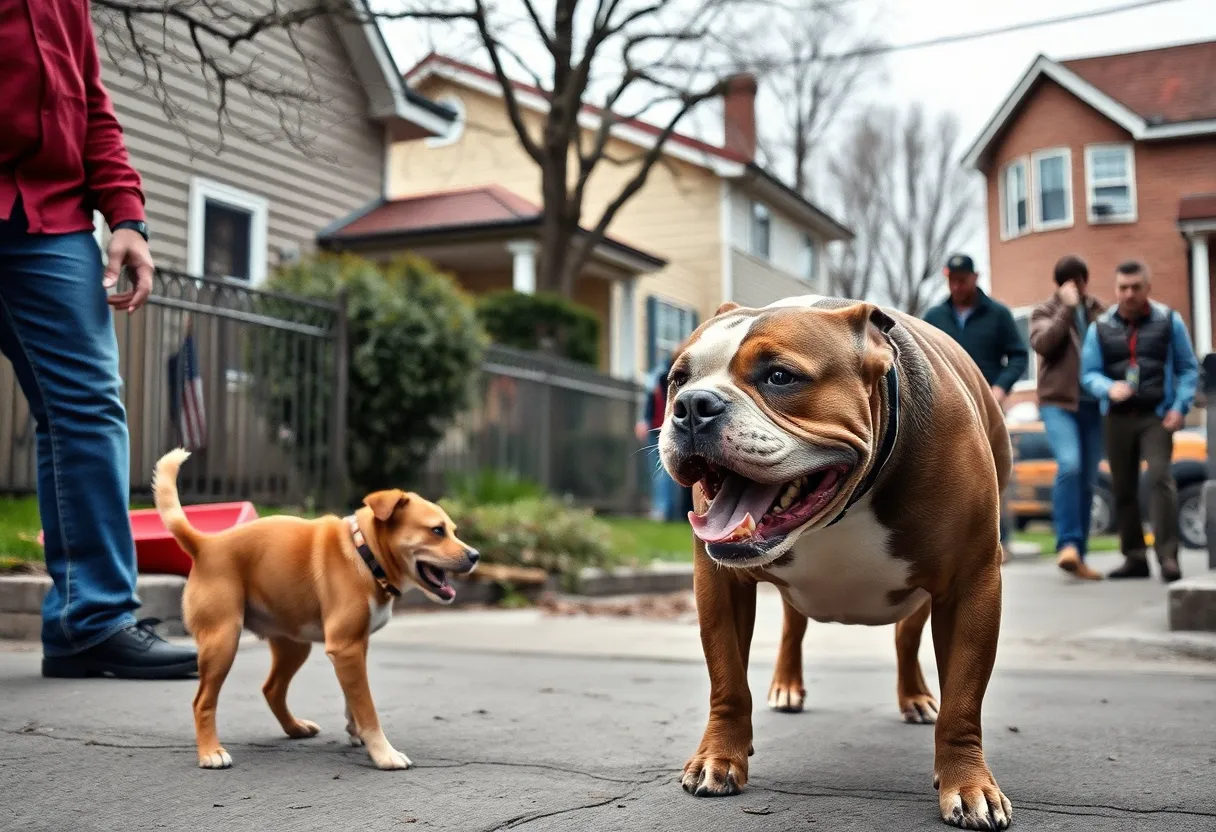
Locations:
column 624, row 328
column 523, row 273
column 1201, row 294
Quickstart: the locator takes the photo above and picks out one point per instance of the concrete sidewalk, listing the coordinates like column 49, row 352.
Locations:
column 515, row 719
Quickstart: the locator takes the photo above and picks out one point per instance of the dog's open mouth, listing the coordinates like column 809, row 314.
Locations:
column 436, row 580
column 743, row 511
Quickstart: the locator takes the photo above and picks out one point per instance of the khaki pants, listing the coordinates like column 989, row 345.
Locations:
column 1130, row 438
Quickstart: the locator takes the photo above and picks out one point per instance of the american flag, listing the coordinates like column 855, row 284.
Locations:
column 186, row 396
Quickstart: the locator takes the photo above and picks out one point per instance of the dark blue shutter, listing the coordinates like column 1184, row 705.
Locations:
column 652, row 308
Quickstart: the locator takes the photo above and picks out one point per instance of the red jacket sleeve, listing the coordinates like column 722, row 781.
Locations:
column 112, row 182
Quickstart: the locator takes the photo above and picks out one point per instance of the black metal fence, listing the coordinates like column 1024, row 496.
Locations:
column 272, row 371
column 551, row 421
column 249, row 380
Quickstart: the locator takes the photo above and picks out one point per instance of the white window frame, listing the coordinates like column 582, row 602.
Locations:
column 808, row 247
column 1032, row 364
column 203, row 190
column 754, row 211
column 455, row 130
column 1090, row 184
column 1038, row 223
column 1008, row 213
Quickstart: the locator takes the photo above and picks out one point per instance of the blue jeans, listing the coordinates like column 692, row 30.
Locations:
column 1076, row 443
column 58, row 332
column 664, row 491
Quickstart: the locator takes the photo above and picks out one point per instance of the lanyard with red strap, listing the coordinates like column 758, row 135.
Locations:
column 1131, row 342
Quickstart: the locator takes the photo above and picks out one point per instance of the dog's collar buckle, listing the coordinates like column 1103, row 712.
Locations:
column 888, row 443
column 365, row 552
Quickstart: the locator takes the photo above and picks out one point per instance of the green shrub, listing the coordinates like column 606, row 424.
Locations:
column 544, row 533
column 492, row 487
column 524, row 321
column 415, row 343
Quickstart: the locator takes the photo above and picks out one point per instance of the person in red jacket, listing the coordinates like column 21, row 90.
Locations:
column 62, row 157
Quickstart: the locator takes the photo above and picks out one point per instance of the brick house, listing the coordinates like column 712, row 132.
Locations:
column 1110, row 157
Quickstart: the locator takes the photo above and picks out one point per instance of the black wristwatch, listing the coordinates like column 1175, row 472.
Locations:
column 138, row 226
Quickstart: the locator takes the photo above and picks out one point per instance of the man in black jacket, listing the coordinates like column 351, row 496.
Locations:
column 986, row 330
column 983, row 327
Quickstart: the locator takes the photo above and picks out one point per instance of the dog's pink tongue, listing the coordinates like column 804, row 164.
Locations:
column 735, row 511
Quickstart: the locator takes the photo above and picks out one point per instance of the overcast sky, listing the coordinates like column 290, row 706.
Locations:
column 971, row 78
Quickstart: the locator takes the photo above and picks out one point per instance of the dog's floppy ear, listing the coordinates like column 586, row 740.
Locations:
column 729, row 306
column 384, row 504
column 871, row 325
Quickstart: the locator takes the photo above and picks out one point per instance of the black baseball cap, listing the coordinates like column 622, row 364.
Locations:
column 960, row 263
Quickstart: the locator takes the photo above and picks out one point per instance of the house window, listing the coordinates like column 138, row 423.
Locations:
column 1053, row 189
column 669, row 324
column 1110, row 181
column 1029, row 378
column 227, row 228
column 807, row 260
column 761, row 230
column 456, row 129
column 1015, row 204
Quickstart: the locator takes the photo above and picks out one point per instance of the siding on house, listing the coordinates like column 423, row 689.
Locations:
column 339, row 169
column 757, row 281
column 1164, row 171
column 678, row 217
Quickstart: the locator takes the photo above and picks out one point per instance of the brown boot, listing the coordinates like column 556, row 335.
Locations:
column 1069, row 559
column 1086, row 573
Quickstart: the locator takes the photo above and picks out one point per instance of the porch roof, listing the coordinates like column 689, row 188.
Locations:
column 483, row 212
column 1197, row 207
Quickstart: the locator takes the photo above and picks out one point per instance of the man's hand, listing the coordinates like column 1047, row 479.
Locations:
column 1172, row 421
column 1069, row 295
column 1000, row 394
column 128, row 248
column 1120, row 391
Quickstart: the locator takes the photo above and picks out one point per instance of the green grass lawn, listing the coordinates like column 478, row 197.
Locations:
column 1046, row 539
column 647, row 540
column 19, row 525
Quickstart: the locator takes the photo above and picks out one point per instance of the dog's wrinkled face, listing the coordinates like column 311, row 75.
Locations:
column 423, row 539
column 776, row 412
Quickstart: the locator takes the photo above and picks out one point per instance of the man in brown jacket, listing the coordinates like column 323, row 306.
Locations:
column 1071, row 416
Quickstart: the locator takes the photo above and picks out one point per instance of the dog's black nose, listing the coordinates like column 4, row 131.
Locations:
column 694, row 410
column 473, row 555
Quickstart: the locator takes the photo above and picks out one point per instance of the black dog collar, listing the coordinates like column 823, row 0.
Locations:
column 365, row 552
column 885, row 449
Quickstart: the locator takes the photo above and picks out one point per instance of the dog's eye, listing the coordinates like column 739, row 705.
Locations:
column 779, row 377
column 677, row 379
column 439, row 531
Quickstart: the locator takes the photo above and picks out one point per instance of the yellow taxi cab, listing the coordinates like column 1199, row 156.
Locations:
column 1034, row 474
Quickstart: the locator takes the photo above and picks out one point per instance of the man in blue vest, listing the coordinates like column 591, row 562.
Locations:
column 1138, row 363
column 985, row 329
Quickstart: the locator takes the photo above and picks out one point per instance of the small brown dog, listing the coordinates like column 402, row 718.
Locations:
column 294, row 582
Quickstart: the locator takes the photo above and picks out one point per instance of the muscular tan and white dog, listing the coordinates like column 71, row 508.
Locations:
column 852, row 457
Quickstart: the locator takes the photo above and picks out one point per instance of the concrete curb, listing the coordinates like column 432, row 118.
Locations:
column 161, row 595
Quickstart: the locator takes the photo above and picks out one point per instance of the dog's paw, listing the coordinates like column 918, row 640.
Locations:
column 218, row 758
column 392, row 760
column 710, row 776
column 975, row 803
column 786, row 697
column 918, row 709
column 304, row 729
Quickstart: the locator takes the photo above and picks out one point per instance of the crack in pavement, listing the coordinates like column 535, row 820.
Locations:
column 542, row 766
column 523, row 820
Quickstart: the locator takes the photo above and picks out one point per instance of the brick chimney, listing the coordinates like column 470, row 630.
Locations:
column 739, row 116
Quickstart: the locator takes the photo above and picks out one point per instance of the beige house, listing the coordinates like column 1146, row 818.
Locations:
column 709, row 225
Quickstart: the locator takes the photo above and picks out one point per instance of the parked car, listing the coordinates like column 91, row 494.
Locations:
column 1034, row 474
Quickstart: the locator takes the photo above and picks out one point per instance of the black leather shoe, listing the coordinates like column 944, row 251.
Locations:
column 1131, row 568
column 134, row 653
column 1170, row 571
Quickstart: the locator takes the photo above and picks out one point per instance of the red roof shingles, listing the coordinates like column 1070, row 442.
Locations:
column 1172, row 84
column 481, row 206
column 638, row 124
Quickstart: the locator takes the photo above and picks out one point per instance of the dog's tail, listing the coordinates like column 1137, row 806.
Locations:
column 164, row 492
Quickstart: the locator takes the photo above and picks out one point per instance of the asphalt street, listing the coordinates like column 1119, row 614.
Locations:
column 557, row 742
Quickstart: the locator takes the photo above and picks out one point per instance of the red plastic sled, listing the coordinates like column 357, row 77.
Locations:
column 156, row 552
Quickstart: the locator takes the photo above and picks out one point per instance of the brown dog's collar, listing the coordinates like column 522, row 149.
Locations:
column 365, row 552
column 888, row 441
